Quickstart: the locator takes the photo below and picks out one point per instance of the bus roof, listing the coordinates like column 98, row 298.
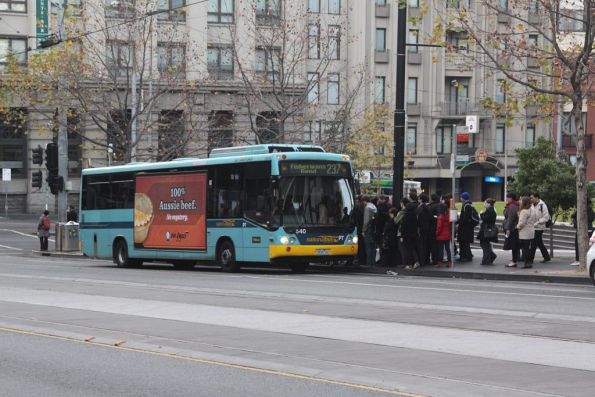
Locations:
column 219, row 159
column 262, row 149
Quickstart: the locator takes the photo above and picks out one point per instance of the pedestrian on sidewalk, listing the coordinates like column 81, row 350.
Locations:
column 72, row 215
column 590, row 219
column 369, row 230
column 527, row 218
column 43, row 230
column 511, row 219
column 424, row 226
column 443, row 236
column 488, row 232
column 390, row 249
column 435, row 247
column 398, row 220
column 543, row 222
column 381, row 220
column 358, row 219
column 410, row 235
column 466, row 225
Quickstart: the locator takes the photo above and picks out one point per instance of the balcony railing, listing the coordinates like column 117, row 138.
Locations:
column 569, row 141
column 462, row 107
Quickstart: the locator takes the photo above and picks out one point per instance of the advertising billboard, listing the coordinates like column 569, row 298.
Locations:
column 170, row 211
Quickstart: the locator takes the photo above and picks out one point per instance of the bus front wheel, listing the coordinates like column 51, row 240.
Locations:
column 121, row 255
column 226, row 257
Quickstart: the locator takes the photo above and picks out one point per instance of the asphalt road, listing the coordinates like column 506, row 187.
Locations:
column 155, row 330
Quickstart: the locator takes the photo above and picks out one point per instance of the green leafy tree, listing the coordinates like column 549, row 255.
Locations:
column 541, row 170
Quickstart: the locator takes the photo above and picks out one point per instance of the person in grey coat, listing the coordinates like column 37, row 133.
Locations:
column 525, row 226
column 543, row 217
column 511, row 218
column 43, row 230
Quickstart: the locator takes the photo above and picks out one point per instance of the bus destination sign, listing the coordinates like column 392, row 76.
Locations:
column 314, row 168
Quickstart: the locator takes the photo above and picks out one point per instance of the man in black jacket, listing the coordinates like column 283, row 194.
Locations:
column 466, row 225
column 424, row 225
column 409, row 235
column 358, row 218
column 381, row 219
column 435, row 248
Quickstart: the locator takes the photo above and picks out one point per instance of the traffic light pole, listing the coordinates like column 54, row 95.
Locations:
column 62, row 162
column 399, row 120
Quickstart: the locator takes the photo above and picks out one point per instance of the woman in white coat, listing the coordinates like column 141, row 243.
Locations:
column 527, row 219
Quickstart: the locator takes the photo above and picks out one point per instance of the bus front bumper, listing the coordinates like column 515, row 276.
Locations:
column 312, row 251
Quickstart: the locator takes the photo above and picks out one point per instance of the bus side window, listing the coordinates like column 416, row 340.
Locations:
column 257, row 191
column 228, row 190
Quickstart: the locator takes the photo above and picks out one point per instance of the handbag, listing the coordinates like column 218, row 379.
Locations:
column 507, row 244
column 490, row 232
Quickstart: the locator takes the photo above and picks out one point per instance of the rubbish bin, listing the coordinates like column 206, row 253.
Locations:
column 67, row 236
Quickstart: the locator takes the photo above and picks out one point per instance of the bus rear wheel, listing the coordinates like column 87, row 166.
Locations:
column 226, row 257
column 121, row 258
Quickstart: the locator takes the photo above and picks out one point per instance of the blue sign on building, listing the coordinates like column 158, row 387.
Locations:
column 492, row 179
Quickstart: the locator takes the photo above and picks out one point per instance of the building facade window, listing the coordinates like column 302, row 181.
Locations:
column 173, row 10
column 503, row 5
column 119, row 59
column 457, row 4
column 269, row 127
column 334, row 6
column 268, row 12
column 500, row 91
column 379, row 97
column 413, row 3
column 571, row 20
column 412, row 90
column 380, row 2
column 380, row 39
column 220, row 63
column 313, row 88
column 411, row 144
column 13, row 141
column 500, row 137
column 413, row 38
column 313, row 41
column 13, row 5
column 118, row 133
column 457, row 41
column 119, row 9
column 172, row 138
column 13, row 48
column 530, row 135
column 312, row 132
column 332, row 89
column 220, row 130
column 443, row 139
column 334, row 42
column 171, row 60
column 533, row 40
column 221, row 11
column 314, row 6
column 268, row 62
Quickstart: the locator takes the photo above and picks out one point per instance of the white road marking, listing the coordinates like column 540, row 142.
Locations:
column 492, row 345
column 10, row 248
column 23, row 234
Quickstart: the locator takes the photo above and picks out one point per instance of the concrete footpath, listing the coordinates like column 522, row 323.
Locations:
column 558, row 270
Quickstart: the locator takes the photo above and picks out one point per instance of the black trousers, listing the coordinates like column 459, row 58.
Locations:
column 436, row 249
column 465, row 250
column 441, row 247
column 408, row 253
column 488, row 253
column 527, row 250
column 391, row 257
column 361, row 250
column 423, row 250
column 538, row 243
column 43, row 243
column 590, row 232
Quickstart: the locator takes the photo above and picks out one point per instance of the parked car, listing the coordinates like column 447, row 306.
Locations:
column 591, row 258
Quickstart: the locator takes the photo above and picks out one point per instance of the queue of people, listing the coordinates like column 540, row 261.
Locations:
column 417, row 231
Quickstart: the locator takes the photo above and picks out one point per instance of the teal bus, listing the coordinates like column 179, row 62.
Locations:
column 287, row 205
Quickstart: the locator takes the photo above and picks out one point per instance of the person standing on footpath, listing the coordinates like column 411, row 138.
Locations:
column 526, row 229
column 358, row 220
column 410, row 234
column 465, row 229
column 511, row 218
column 369, row 231
column 424, row 225
column 381, row 220
column 390, row 239
column 72, row 215
column 43, row 230
column 488, row 233
column 443, row 236
column 543, row 218
column 435, row 247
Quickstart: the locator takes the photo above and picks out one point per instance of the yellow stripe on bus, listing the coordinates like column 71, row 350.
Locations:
column 280, row 251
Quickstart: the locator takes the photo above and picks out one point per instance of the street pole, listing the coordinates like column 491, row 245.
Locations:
column 133, row 113
column 62, row 138
column 399, row 117
column 453, row 210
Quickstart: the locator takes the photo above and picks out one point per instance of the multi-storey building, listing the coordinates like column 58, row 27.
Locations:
column 225, row 72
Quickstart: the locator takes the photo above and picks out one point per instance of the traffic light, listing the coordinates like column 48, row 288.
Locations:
column 38, row 155
column 56, row 183
column 51, row 158
column 36, row 178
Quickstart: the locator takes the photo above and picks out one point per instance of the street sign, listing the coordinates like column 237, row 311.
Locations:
column 462, row 158
column 6, row 174
column 471, row 123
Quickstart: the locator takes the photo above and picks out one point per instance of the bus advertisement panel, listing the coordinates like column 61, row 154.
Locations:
column 170, row 211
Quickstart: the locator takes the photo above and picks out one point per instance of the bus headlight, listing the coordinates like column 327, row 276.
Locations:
column 284, row 240
column 354, row 240
column 292, row 240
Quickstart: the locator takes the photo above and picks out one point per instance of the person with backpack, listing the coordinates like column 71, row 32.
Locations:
column 43, row 230
column 410, row 234
column 425, row 231
column 544, row 221
column 468, row 219
column 511, row 218
column 443, row 236
column 369, row 230
column 488, row 232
